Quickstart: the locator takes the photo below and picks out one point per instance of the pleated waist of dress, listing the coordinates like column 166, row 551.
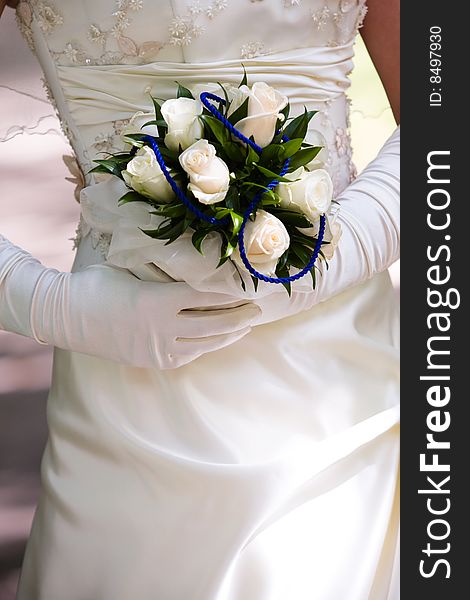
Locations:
column 99, row 94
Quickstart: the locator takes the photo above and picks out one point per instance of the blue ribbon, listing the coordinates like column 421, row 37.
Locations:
column 205, row 97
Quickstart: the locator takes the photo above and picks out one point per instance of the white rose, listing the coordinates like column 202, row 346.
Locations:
column 264, row 109
column 211, row 87
column 143, row 174
column 266, row 240
column 184, row 126
column 311, row 194
column 317, row 139
column 208, row 174
column 136, row 122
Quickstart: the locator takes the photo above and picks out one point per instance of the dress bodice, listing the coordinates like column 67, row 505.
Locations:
column 101, row 58
column 104, row 32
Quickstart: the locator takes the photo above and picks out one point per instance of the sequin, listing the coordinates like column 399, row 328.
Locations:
column 252, row 49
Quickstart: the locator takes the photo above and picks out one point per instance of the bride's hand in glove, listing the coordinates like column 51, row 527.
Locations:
column 107, row 312
column 369, row 216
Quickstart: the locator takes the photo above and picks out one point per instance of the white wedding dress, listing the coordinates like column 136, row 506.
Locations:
column 263, row 471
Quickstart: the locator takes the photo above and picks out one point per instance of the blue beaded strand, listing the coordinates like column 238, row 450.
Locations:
column 219, row 116
column 205, row 97
column 254, row 203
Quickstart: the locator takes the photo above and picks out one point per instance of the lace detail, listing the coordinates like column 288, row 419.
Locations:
column 341, row 141
column 63, row 125
column 116, row 47
column 361, row 15
column 98, row 239
column 183, row 30
column 343, row 148
column 252, row 49
column 48, row 17
column 340, row 21
column 336, row 20
column 321, row 16
column 46, row 14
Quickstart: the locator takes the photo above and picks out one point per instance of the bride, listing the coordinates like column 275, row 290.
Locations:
column 248, row 451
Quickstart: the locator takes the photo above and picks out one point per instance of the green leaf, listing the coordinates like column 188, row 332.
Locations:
column 169, row 155
column 198, row 237
column 217, row 129
column 237, row 221
column 188, row 220
column 158, row 109
column 271, row 175
column 99, row 169
column 157, row 122
column 303, row 157
column 287, row 285
column 109, row 166
column 235, row 152
column 281, row 263
column 295, row 261
column 165, row 232
column 244, row 80
column 136, row 139
column 291, row 147
column 314, row 277
column 132, row 197
column 183, row 92
column 255, row 281
column 277, row 139
column 272, row 153
column 235, row 217
column 297, row 128
column 305, row 240
column 291, row 217
column 240, row 113
column 170, row 211
column 285, row 111
column 231, row 199
column 224, row 92
column 327, row 264
column 303, row 253
column 121, row 157
column 252, row 184
column 270, row 199
column 252, row 157
column 226, row 251
column 242, row 281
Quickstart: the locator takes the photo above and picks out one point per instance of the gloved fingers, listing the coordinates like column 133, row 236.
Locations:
column 190, row 299
column 224, row 306
column 190, row 348
column 205, row 323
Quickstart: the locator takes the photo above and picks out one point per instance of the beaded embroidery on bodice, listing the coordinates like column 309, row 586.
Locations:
column 99, row 36
column 107, row 32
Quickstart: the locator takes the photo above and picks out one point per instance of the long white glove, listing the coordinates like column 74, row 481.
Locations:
column 107, row 312
column 369, row 216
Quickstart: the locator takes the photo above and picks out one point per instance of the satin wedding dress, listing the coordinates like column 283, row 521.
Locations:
column 263, row 471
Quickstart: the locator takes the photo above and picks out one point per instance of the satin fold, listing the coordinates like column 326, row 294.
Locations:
column 307, row 75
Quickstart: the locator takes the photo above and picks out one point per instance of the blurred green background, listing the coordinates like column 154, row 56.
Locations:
column 371, row 117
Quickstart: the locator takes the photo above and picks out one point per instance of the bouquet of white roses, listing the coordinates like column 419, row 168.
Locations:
column 230, row 174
